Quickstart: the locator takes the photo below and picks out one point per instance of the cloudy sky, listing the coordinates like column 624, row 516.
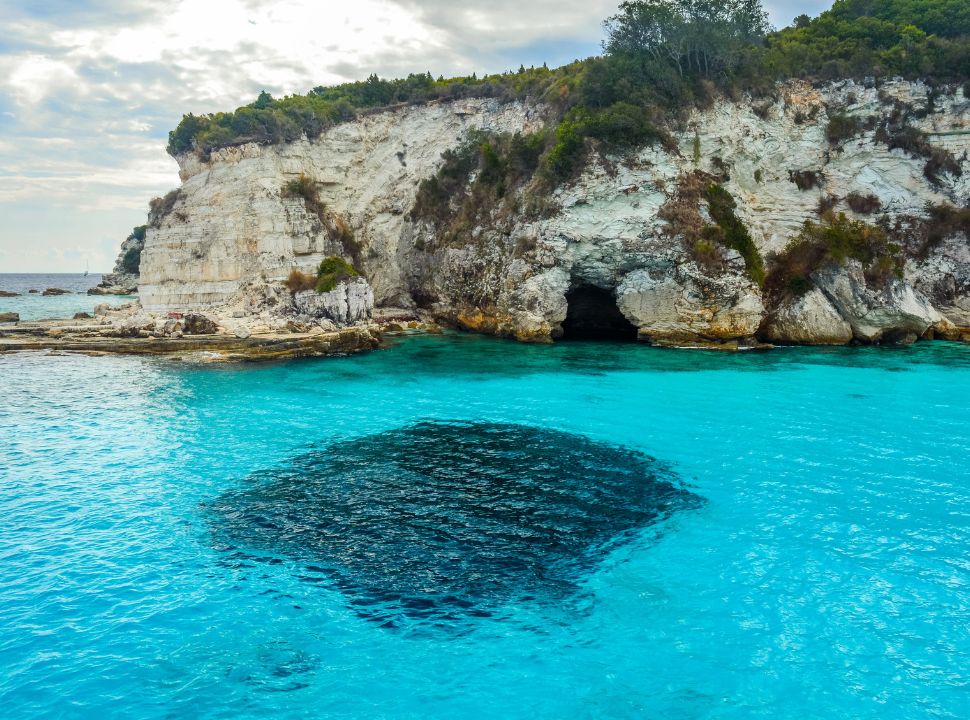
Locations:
column 90, row 88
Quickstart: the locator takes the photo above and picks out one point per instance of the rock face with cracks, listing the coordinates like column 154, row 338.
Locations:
column 233, row 229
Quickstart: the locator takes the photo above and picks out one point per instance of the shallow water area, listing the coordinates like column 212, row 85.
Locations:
column 35, row 306
column 822, row 571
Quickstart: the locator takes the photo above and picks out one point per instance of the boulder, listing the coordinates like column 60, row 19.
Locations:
column 350, row 302
column 807, row 320
column 7, row 293
column 134, row 326
column 55, row 291
column 82, row 316
column 893, row 312
column 9, row 317
column 118, row 282
column 943, row 276
column 198, row 324
column 680, row 304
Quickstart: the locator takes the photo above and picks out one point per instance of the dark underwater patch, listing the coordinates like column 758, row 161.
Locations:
column 442, row 520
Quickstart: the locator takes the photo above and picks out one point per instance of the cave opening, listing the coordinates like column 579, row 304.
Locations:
column 592, row 314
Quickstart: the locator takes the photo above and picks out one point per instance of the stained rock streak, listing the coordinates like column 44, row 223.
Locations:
column 438, row 521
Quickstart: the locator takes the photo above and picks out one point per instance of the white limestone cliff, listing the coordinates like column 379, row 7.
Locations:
column 232, row 225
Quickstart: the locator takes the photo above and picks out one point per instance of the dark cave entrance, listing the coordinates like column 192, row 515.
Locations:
column 592, row 314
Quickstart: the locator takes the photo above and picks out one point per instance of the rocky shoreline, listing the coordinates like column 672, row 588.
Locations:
column 195, row 337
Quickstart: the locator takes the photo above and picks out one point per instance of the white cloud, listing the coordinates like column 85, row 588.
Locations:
column 90, row 88
column 32, row 77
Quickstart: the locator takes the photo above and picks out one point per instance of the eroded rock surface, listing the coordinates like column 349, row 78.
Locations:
column 352, row 301
column 233, row 234
column 893, row 312
column 810, row 319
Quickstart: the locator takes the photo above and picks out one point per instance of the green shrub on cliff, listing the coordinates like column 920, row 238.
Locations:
column 332, row 271
column 131, row 261
column 475, row 178
column 835, row 240
column 305, row 188
column 902, row 136
column 731, row 232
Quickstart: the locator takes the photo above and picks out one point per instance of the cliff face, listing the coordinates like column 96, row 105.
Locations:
column 233, row 224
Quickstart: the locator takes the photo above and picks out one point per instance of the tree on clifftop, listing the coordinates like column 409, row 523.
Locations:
column 702, row 38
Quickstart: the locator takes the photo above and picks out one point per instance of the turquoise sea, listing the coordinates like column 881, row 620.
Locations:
column 461, row 527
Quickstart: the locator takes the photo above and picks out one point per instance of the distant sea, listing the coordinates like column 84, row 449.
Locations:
column 34, row 306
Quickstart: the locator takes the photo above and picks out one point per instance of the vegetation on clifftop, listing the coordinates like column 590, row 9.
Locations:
column 660, row 58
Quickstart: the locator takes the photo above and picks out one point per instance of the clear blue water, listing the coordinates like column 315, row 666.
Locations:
column 160, row 556
column 34, row 306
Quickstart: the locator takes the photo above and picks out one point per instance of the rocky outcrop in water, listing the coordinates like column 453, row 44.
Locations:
column 123, row 280
column 232, row 232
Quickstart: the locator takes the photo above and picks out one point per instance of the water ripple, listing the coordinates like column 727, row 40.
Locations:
column 439, row 520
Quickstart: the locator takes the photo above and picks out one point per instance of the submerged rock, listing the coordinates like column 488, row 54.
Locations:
column 442, row 520
column 9, row 317
column 8, row 293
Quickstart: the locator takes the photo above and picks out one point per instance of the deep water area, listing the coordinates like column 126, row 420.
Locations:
column 439, row 520
column 463, row 527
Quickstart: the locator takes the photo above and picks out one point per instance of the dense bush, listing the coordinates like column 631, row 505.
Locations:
column 731, row 232
column 826, row 204
column 842, row 127
column 131, row 260
column 298, row 281
column 662, row 58
column 331, row 272
column 806, row 179
column 880, row 38
column 863, row 204
column 619, row 125
column 473, row 181
column 836, row 239
column 269, row 120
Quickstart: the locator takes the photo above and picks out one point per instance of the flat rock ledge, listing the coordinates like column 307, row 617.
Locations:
column 59, row 336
